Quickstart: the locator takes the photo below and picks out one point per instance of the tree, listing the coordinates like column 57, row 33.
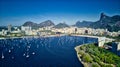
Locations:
column 81, row 52
column 87, row 58
column 82, row 47
column 95, row 65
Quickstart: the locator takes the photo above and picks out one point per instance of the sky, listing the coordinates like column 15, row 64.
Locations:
column 17, row 12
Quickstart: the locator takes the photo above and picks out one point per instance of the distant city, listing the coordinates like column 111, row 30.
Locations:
column 105, row 26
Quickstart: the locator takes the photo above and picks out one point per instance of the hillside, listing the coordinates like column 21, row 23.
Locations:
column 107, row 22
column 61, row 25
column 83, row 24
column 36, row 26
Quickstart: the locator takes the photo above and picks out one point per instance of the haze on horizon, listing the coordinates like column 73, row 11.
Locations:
column 17, row 12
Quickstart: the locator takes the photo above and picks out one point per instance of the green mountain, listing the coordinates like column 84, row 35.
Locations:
column 107, row 22
column 36, row 26
column 83, row 24
column 61, row 25
column 46, row 23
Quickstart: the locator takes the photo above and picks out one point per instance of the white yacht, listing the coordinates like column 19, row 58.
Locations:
column 9, row 51
column 3, row 56
column 33, row 53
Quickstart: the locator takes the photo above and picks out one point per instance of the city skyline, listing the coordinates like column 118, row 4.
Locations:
column 17, row 12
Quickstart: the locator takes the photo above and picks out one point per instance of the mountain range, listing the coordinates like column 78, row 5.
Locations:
column 36, row 26
column 45, row 24
column 61, row 25
column 83, row 24
column 104, row 22
column 107, row 22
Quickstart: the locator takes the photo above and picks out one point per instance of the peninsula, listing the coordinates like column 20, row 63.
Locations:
column 92, row 56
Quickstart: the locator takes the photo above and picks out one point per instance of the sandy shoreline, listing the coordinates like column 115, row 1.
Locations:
column 31, row 36
column 78, row 56
column 49, row 36
column 87, row 36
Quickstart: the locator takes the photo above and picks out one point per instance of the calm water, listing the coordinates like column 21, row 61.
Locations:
column 41, row 52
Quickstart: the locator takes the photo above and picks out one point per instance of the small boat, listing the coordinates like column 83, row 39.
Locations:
column 28, row 46
column 3, row 56
column 33, row 53
column 9, row 51
column 27, row 56
column 24, row 54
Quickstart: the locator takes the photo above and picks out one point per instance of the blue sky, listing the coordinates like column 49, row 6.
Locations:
column 16, row 12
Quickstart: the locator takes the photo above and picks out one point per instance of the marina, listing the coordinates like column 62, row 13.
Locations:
column 43, row 52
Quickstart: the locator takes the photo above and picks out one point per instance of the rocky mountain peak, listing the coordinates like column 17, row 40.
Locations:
column 29, row 23
column 46, row 23
column 102, row 16
column 61, row 25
